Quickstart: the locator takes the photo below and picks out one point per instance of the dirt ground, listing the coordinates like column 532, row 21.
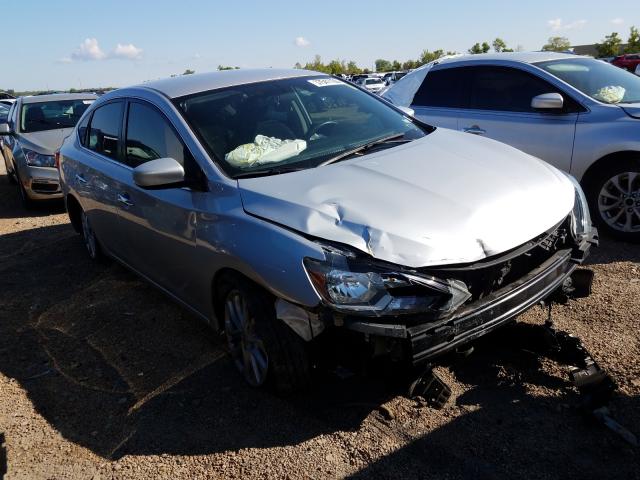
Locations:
column 103, row 377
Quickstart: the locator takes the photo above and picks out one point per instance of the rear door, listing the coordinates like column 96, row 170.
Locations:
column 441, row 97
column 98, row 170
column 499, row 107
column 159, row 225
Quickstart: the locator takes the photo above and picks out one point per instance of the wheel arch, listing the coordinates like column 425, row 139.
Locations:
column 74, row 209
column 602, row 163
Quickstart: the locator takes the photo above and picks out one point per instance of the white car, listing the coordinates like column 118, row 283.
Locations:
column 579, row 114
column 373, row 84
column 637, row 72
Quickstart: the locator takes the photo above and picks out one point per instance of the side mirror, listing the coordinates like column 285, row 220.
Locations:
column 4, row 129
column 409, row 111
column 158, row 173
column 547, row 101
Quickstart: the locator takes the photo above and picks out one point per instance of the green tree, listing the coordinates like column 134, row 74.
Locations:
column 426, row 56
column 337, row 67
column 477, row 48
column 190, row 72
column 410, row 65
column 556, row 44
column 633, row 43
column 500, row 45
column 610, row 46
column 297, row 65
column 353, row 69
column 383, row 65
column 317, row 65
column 396, row 65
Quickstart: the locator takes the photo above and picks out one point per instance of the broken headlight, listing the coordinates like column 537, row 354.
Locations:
column 580, row 217
column 353, row 285
column 35, row 159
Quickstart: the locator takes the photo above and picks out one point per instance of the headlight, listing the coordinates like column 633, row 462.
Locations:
column 36, row 159
column 352, row 285
column 580, row 217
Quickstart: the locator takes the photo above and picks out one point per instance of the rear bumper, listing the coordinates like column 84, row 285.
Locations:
column 426, row 340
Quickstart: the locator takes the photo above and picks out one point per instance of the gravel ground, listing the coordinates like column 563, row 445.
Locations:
column 102, row 377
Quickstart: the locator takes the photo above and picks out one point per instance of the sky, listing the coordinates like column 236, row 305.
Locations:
column 82, row 44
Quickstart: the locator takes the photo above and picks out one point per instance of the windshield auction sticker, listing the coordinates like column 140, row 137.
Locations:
column 325, row 82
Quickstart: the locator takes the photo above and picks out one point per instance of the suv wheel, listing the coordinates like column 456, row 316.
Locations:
column 264, row 349
column 89, row 237
column 614, row 197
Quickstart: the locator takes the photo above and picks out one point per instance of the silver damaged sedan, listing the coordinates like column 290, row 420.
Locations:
column 293, row 211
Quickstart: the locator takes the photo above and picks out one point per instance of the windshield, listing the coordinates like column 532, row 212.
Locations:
column 36, row 117
column 370, row 81
column 290, row 123
column 4, row 112
column 599, row 80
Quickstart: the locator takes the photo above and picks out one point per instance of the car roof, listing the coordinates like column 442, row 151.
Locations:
column 201, row 82
column 520, row 57
column 58, row 96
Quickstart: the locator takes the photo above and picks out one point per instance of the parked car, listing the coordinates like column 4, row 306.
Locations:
column 579, row 114
column 33, row 132
column 629, row 61
column 392, row 77
column 637, row 72
column 373, row 84
column 289, row 228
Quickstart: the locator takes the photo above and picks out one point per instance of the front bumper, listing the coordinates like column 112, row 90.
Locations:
column 426, row 340
column 41, row 183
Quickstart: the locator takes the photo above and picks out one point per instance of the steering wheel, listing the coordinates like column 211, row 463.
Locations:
column 323, row 125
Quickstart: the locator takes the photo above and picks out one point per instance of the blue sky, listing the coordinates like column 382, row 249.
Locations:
column 63, row 44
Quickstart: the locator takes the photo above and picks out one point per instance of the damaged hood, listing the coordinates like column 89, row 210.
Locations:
column 447, row 198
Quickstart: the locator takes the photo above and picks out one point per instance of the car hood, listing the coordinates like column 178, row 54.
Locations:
column 631, row 109
column 447, row 198
column 45, row 142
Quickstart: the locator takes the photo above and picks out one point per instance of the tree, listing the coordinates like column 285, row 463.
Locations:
column 477, row 48
column 633, row 43
column 556, row 44
column 297, row 65
column 353, row 69
column 410, row 65
column 383, row 65
column 317, row 65
column 222, row 67
column 189, row 72
column 499, row 45
column 610, row 46
column 396, row 65
column 426, row 56
column 337, row 67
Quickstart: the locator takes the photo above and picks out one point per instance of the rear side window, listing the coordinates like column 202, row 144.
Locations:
column 104, row 131
column 506, row 89
column 150, row 136
column 82, row 131
column 443, row 88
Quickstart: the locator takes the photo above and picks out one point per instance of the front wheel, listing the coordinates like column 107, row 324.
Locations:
column 264, row 349
column 614, row 199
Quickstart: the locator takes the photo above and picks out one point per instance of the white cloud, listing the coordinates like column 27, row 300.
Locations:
column 127, row 52
column 557, row 24
column 197, row 56
column 301, row 42
column 88, row 50
column 617, row 21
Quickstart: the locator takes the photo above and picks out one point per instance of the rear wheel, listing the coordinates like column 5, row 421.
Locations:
column 264, row 349
column 614, row 199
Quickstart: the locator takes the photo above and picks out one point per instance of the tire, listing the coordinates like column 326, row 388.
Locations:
column 264, row 349
column 89, row 238
column 24, row 196
column 613, row 193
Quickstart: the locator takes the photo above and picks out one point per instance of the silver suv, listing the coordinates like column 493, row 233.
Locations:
column 33, row 132
column 580, row 114
column 291, row 209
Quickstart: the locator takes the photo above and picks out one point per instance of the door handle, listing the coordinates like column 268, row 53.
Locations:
column 475, row 130
column 80, row 178
column 125, row 200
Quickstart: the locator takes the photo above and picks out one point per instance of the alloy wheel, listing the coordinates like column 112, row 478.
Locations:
column 89, row 237
column 247, row 349
column 619, row 202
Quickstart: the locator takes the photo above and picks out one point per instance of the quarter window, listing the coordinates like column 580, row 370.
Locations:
column 104, row 131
